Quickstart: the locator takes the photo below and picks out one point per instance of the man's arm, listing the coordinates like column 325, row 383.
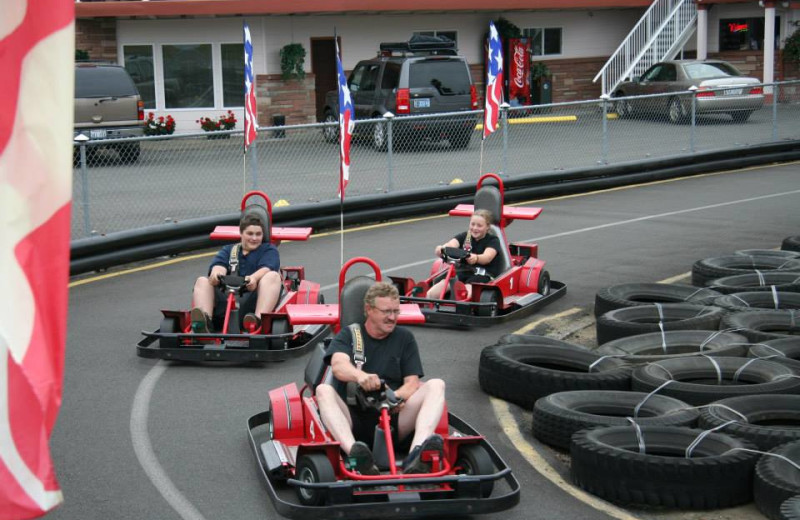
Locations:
column 345, row 371
column 410, row 385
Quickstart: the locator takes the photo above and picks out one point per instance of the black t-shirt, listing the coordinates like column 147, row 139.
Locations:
column 479, row 246
column 392, row 358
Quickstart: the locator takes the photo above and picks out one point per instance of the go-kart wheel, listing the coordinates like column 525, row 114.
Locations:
column 489, row 296
column 543, row 287
column 280, row 326
column 473, row 459
column 320, row 299
column 168, row 326
column 314, row 468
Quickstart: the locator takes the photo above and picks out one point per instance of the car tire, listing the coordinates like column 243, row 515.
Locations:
column 765, row 420
column 623, row 107
column 776, row 479
column 521, row 374
column 635, row 294
column 784, row 282
column 672, row 344
column 556, row 417
column 707, row 269
column 380, row 139
column 676, row 111
column 607, row 462
column 758, row 301
column 642, row 319
column 790, row 509
column 761, row 326
column 314, row 468
column 473, row 459
column 536, row 339
column 785, row 351
column 741, row 116
column 791, row 244
column 331, row 132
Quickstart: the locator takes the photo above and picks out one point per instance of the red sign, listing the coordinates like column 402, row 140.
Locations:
column 519, row 86
column 737, row 27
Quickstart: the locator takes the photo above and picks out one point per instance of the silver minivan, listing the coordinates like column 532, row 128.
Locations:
column 108, row 106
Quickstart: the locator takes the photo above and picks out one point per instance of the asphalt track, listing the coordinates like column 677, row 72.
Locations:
column 139, row 438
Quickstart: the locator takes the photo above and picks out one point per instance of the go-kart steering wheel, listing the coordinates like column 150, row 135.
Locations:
column 375, row 399
column 454, row 253
column 234, row 283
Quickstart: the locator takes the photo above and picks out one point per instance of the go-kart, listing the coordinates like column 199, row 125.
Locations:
column 307, row 476
column 275, row 340
column 523, row 287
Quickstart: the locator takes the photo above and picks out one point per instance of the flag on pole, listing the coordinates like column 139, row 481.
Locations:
column 345, row 125
column 250, row 115
column 37, row 42
column 494, row 82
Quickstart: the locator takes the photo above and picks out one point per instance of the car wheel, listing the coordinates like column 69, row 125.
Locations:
column 473, row 459
column 677, row 112
column 460, row 140
column 129, row 153
column 740, row 117
column 330, row 131
column 623, row 107
column 314, row 468
column 379, row 141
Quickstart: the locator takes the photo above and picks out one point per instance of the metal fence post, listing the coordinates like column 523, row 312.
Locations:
column 775, row 93
column 87, row 228
column 693, row 128
column 604, row 148
column 253, row 151
column 504, row 115
column 389, row 117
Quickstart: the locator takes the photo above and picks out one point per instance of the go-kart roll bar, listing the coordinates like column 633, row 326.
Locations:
column 358, row 260
column 260, row 194
column 497, row 179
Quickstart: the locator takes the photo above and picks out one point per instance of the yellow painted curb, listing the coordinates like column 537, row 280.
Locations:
column 281, row 203
column 534, row 120
column 456, row 181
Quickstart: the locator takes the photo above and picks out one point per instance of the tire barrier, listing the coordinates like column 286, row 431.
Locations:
column 522, row 374
column 633, row 294
column 535, row 339
column 791, row 244
column 785, row 351
column 703, row 271
column 557, row 416
column 650, row 466
column 761, row 326
column 657, row 346
column 702, row 380
column 765, row 420
column 790, row 509
column 642, row 319
column 758, row 300
column 783, row 282
column 769, row 252
column 777, row 479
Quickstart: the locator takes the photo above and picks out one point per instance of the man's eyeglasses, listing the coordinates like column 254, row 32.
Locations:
column 388, row 312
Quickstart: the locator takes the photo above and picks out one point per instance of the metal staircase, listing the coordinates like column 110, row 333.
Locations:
column 659, row 35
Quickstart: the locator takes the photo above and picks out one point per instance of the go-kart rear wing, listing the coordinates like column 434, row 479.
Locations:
column 276, row 234
column 509, row 213
column 328, row 314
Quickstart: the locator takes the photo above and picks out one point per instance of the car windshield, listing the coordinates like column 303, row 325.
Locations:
column 91, row 82
column 449, row 77
column 709, row 70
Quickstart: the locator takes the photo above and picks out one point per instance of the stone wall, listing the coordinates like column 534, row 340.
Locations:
column 98, row 38
column 293, row 99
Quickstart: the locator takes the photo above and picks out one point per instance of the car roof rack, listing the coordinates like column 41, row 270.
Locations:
column 420, row 45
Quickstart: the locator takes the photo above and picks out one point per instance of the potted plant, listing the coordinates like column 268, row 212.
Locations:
column 224, row 122
column 159, row 125
column 293, row 56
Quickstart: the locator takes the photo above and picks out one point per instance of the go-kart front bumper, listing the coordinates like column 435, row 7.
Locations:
column 383, row 499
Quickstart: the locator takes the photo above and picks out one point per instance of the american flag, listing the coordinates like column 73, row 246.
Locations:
column 36, row 57
column 345, row 125
column 494, row 82
column 250, row 116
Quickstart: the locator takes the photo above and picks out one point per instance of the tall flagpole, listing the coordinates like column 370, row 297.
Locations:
column 341, row 188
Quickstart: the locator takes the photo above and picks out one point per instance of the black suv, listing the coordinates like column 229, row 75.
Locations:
column 418, row 77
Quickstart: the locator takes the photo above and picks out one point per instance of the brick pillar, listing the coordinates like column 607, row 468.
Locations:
column 294, row 99
column 98, row 37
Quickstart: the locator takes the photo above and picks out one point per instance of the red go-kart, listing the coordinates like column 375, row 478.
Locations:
column 275, row 340
column 308, row 478
column 523, row 287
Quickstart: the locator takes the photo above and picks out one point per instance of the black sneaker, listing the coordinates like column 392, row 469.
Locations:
column 413, row 463
column 361, row 460
column 201, row 322
column 251, row 322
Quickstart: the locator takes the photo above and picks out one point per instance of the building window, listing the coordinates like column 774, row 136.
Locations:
column 452, row 35
column 544, row 40
column 737, row 34
column 232, row 74
column 188, row 76
column 139, row 64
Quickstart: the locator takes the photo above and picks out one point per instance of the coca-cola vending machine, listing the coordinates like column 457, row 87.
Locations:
column 518, row 60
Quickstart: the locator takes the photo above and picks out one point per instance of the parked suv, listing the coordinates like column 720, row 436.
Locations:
column 108, row 106
column 419, row 77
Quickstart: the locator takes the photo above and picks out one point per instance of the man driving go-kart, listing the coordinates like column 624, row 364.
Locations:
column 369, row 355
column 257, row 261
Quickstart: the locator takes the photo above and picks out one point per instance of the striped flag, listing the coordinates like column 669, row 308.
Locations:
column 346, row 114
column 250, row 115
column 494, row 82
column 37, row 42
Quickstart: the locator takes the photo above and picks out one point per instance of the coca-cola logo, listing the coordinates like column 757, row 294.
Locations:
column 519, row 62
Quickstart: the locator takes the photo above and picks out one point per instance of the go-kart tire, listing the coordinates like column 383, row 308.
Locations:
column 521, row 374
column 765, row 420
column 791, row 244
column 783, row 282
column 790, row 509
column 785, row 351
column 761, row 326
column 535, row 339
column 473, row 459
column 634, row 294
column 673, row 344
column 703, row 271
column 543, row 285
column 313, row 468
column 776, row 479
column 556, row 417
column 169, row 326
column 696, row 380
column 606, row 462
column 758, row 300
column 489, row 296
column 642, row 319
column 280, row 326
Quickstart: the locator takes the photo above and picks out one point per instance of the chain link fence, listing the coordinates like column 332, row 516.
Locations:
column 134, row 183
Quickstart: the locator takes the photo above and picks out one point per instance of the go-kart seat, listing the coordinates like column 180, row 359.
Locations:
column 490, row 199
column 261, row 212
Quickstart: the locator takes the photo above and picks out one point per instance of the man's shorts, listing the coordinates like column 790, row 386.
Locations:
column 364, row 423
